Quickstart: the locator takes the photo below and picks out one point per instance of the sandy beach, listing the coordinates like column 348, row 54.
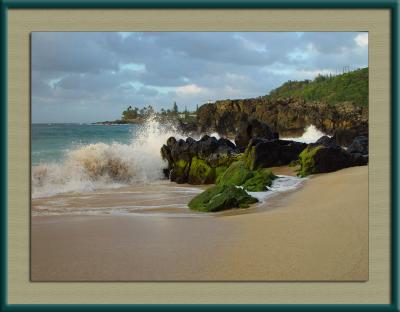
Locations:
column 318, row 232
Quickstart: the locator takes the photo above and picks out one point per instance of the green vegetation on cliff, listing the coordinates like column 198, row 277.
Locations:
column 347, row 87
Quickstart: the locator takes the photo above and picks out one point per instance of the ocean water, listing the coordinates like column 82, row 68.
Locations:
column 51, row 142
column 83, row 157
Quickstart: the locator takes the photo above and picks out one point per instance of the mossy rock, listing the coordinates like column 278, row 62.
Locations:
column 219, row 171
column 260, row 181
column 221, row 197
column 307, row 161
column 249, row 157
column 223, row 160
column 236, row 174
column 180, row 171
column 200, row 172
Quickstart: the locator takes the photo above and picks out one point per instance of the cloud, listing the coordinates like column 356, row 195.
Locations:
column 90, row 76
column 362, row 40
column 189, row 89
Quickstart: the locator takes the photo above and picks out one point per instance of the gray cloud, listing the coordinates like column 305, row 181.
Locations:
column 90, row 76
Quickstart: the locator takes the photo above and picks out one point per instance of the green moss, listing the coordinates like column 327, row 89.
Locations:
column 223, row 161
column 200, row 172
column 306, row 160
column 236, row 174
column 260, row 181
column 248, row 157
column 293, row 163
column 219, row 171
column 181, row 167
column 221, row 197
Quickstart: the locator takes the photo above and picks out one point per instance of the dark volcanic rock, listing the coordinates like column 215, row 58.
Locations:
column 253, row 128
column 326, row 141
column 322, row 159
column 197, row 162
column 346, row 136
column 359, row 146
column 345, row 119
column 261, row 153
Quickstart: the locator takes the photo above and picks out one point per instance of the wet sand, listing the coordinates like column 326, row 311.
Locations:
column 319, row 232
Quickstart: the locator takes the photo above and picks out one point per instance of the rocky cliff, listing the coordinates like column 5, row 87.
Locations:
column 336, row 105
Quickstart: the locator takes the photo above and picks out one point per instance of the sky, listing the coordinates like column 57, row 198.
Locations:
column 94, row 76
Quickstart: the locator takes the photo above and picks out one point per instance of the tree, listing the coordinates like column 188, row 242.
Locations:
column 175, row 109
column 130, row 113
column 149, row 111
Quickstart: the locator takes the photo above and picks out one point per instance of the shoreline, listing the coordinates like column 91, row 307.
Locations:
column 319, row 232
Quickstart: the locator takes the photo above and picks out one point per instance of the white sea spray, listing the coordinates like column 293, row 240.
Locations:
column 311, row 134
column 102, row 165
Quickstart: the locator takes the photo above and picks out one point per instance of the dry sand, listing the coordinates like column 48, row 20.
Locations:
column 319, row 232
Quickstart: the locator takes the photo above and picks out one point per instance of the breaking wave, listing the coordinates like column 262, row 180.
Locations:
column 311, row 134
column 101, row 165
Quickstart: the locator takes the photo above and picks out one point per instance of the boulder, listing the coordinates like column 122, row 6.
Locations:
column 345, row 136
column 327, row 141
column 197, row 162
column 253, row 128
column 322, row 159
column 221, row 197
column 261, row 180
column 200, row 172
column 251, row 180
column 359, row 146
column 236, row 174
column 261, row 153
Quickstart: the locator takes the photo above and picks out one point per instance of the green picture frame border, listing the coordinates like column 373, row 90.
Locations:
column 392, row 5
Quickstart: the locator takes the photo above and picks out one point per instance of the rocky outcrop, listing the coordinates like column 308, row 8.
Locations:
column 221, row 197
column 323, row 159
column 251, row 180
column 359, row 146
column 345, row 136
column 335, row 104
column 326, row 141
column 219, row 161
column 261, row 153
column 253, row 128
column 197, row 162
column 345, row 119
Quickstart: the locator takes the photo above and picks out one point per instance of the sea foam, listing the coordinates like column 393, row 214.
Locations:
column 101, row 165
column 281, row 184
column 311, row 134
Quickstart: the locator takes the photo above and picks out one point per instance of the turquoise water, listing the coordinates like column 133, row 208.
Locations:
column 84, row 157
column 50, row 142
